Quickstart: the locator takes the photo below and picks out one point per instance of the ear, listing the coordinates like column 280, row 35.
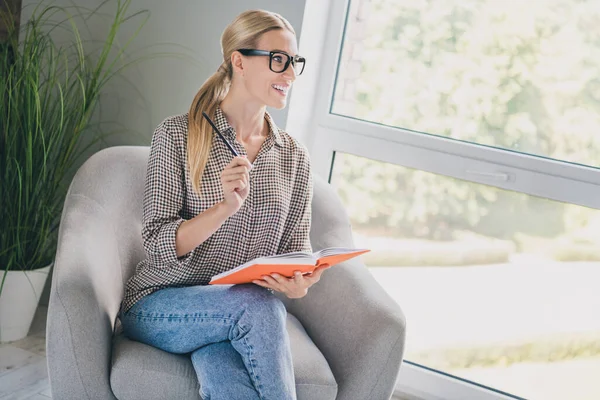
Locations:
column 237, row 62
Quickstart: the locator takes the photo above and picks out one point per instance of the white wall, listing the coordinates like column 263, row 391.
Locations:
column 167, row 85
column 164, row 86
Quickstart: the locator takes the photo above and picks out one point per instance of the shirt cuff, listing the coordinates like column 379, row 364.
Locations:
column 166, row 240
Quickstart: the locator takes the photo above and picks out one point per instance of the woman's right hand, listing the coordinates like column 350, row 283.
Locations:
column 235, row 180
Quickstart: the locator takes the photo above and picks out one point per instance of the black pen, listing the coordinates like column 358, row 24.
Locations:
column 235, row 153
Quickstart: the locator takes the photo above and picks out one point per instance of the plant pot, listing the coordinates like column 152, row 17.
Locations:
column 19, row 300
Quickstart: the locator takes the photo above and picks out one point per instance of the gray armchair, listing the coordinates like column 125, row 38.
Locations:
column 347, row 335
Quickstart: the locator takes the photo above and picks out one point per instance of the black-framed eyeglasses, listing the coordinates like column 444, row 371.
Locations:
column 279, row 61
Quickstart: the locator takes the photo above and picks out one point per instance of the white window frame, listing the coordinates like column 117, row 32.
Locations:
column 325, row 134
column 416, row 382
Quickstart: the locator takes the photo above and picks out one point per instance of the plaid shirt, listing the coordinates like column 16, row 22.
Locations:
column 274, row 218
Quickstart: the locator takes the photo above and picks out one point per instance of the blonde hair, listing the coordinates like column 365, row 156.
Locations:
column 243, row 32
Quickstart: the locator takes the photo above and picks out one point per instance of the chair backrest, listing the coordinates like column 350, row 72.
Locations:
column 114, row 179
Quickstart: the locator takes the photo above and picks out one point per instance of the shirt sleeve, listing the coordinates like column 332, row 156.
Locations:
column 297, row 237
column 163, row 200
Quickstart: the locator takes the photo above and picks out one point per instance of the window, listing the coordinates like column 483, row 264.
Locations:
column 499, row 287
column 518, row 75
column 462, row 139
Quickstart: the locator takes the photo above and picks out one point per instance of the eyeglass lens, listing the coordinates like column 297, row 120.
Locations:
column 280, row 62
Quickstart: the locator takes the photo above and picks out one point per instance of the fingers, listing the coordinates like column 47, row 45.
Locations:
column 235, row 170
column 268, row 283
column 294, row 287
column 239, row 161
column 238, row 185
column 274, row 281
column 262, row 283
column 235, row 176
column 284, row 284
column 238, row 179
column 237, row 182
column 277, row 282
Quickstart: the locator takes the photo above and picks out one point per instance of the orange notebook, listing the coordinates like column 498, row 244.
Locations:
column 285, row 264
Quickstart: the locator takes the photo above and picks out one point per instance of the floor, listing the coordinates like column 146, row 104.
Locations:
column 23, row 370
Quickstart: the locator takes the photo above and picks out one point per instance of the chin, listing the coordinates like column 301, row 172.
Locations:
column 279, row 105
column 276, row 101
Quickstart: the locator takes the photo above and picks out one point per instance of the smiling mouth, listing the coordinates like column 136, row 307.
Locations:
column 281, row 89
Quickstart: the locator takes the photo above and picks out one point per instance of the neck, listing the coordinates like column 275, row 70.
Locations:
column 245, row 116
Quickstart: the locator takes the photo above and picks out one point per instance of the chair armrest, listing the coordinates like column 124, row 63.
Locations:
column 358, row 327
column 84, row 300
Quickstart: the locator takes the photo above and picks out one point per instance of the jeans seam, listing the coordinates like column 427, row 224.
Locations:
column 203, row 394
column 185, row 316
column 251, row 371
column 253, row 375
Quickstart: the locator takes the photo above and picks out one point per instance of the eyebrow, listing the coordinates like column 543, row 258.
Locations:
column 283, row 51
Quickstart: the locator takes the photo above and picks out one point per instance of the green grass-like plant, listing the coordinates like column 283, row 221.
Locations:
column 48, row 94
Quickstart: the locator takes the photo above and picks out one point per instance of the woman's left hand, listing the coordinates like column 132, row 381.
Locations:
column 294, row 287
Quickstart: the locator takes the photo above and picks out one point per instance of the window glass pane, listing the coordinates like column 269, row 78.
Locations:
column 498, row 287
column 513, row 74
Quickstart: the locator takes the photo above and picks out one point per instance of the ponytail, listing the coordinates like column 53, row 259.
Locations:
column 200, row 133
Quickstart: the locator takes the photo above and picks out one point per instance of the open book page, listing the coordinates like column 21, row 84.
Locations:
column 336, row 255
column 332, row 255
column 288, row 258
column 334, row 251
column 301, row 257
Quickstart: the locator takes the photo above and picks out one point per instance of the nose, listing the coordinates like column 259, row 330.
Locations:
column 290, row 73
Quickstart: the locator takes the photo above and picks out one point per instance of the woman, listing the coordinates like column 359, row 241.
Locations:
column 205, row 213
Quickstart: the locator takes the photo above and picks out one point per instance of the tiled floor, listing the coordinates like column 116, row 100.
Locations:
column 23, row 370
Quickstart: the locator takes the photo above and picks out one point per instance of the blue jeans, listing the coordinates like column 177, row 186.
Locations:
column 236, row 336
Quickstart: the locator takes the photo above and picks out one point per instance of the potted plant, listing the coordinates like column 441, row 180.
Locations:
column 48, row 94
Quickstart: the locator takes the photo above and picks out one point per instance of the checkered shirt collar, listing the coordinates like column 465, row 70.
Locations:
column 228, row 131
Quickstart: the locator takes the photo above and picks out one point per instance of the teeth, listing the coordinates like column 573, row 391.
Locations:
column 282, row 88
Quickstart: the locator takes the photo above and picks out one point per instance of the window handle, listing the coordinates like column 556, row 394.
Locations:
column 497, row 176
